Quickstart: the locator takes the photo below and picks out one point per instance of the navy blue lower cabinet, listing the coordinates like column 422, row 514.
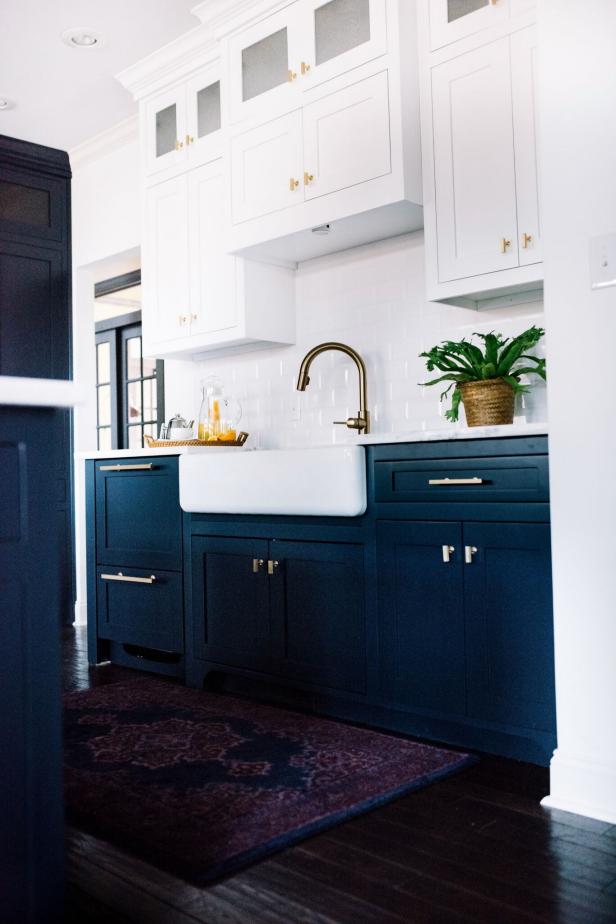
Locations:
column 141, row 607
column 510, row 646
column 317, row 593
column 230, row 602
column 421, row 615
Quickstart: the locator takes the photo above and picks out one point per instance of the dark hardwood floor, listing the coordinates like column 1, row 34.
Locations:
column 477, row 847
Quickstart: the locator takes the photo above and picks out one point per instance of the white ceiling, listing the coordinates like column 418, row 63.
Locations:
column 65, row 95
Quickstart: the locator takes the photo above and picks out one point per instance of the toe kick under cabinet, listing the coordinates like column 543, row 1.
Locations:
column 135, row 570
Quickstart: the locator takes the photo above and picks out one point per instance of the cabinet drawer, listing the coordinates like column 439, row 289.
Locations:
column 138, row 514
column 141, row 607
column 504, row 479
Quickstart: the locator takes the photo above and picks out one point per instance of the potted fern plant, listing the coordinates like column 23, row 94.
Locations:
column 485, row 378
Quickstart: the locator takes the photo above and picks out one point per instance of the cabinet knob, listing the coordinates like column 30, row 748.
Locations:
column 504, row 244
column 293, row 184
column 257, row 564
column 178, row 145
column 308, row 178
column 448, row 551
column 189, row 140
column 182, row 319
column 469, row 551
column 194, row 317
column 305, row 68
column 526, row 240
column 291, row 76
column 271, row 567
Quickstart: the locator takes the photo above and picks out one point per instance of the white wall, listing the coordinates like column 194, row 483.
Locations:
column 578, row 106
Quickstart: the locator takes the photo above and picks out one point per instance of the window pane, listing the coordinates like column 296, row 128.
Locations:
column 134, row 402
column 103, row 363
column 149, row 399
column 149, row 367
column 134, row 437
column 456, row 9
column 339, row 26
column 208, row 109
column 133, row 358
column 166, row 130
column 104, row 405
column 265, row 65
column 104, row 438
column 25, row 204
column 150, row 429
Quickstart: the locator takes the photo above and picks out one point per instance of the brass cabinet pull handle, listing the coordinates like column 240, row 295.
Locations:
column 127, row 579
column 271, row 567
column 291, row 76
column 305, row 68
column 454, row 481
column 469, row 551
column 504, row 244
column 189, row 140
column 257, row 564
column 293, row 184
column 179, row 145
column 182, row 319
column 448, row 551
column 308, row 178
column 145, row 467
column 526, row 240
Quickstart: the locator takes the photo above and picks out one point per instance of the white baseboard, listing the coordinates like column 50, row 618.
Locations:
column 582, row 787
column 81, row 613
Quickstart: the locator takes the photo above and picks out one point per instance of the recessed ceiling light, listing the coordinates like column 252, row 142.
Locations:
column 5, row 103
column 82, row 37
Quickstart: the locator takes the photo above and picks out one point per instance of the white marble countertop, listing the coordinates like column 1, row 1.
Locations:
column 19, row 391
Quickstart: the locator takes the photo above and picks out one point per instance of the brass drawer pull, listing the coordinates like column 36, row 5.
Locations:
column 127, row 579
column 145, row 467
column 439, row 481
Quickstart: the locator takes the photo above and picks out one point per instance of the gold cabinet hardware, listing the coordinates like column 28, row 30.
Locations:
column 305, row 68
column 448, row 551
column 189, row 140
column 308, row 178
column 271, row 567
column 454, row 481
column 291, row 76
column 504, row 244
column 526, row 240
column 178, row 145
column 293, row 184
column 257, row 564
column 194, row 317
column 128, row 580
column 145, row 467
column 469, row 551
column 182, row 319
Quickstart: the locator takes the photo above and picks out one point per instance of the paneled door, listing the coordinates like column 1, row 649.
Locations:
column 474, row 164
column 204, row 117
column 165, row 130
column 421, row 615
column 165, row 274
column 451, row 20
column 524, row 50
column 267, row 168
column 346, row 137
column 340, row 35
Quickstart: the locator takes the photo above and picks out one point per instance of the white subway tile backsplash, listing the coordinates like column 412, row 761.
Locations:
column 373, row 299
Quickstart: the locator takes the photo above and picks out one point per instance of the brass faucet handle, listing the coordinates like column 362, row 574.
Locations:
column 358, row 423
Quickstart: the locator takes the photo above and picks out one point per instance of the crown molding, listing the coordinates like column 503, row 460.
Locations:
column 105, row 142
column 174, row 61
column 225, row 16
column 26, row 154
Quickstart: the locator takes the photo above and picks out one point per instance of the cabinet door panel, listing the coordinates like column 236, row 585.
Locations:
column 524, row 49
column 451, row 20
column 33, row 206
column 343, row 34
column 204, row 116
column 421, row 615
column 474, row 163
column 266, row 168
column 346, row 137
column 318, row 613
column 165, row 276
column 213, row 289
column 508, row 598
column 165, row 131
column 136, row 613
column 231, row 602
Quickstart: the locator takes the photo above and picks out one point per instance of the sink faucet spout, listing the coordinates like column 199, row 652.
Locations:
column 361, row 423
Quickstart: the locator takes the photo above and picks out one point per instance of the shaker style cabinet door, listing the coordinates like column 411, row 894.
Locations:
column 451, row 20
column 340, row 35
column 165, row 131
column 267, row 168
column 346, row 137
column 204, row 117
column 166, row 289
column 421, row 615
column 524, row 49
column 474, row 163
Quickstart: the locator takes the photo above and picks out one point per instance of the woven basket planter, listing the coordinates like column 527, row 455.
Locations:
column 487, row 403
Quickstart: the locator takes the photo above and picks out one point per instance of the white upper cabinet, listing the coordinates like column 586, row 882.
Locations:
column 204, row 117
column 165, row 131
column 525, row 130
column 474, row 164
column 451, row 20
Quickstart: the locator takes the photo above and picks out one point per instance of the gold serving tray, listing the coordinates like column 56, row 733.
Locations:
column 153, row 443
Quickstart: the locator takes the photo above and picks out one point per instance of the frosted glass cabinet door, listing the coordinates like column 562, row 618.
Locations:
column 451, row 20
column 165, row 131
column 474, row 167
column 203, row 100
column 525, row 110
column 263, row 65
column 342, row 35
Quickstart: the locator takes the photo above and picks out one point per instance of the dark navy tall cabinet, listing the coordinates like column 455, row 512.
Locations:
column 35, row 528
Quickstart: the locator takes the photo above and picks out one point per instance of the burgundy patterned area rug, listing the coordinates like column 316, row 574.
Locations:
column 201, row 784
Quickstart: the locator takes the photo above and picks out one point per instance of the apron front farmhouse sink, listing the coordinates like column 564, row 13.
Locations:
column 328, row 481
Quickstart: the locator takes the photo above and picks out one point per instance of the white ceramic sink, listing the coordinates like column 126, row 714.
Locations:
column 329, row 481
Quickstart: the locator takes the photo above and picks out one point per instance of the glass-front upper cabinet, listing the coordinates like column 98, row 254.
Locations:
column 183, row 124
column 451, row 20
